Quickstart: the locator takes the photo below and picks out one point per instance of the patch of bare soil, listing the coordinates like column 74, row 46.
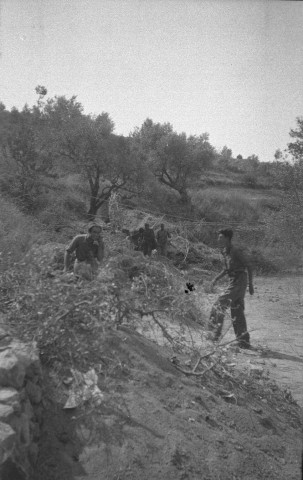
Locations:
column 158, row 423
column 274, row 319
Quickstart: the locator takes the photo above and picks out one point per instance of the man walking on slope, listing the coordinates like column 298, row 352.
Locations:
column 89, row 250
column 137, row 239
column 149, row 241
column 162, row 240
column 237, row 266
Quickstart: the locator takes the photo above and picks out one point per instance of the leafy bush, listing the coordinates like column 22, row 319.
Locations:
column 250, row 180
column 66, row 317
column 59, row 208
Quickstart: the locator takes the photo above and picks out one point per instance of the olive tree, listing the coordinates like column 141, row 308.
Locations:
column 174, row 159
column 88, row 145
column 26, row 161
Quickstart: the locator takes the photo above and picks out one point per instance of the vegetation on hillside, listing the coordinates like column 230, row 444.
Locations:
column 55, row 138
column 144, row 339
column 58, row 168
column 60, row 165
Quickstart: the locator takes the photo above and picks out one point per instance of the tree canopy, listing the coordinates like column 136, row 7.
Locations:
column 295, row 148
column 174, row 159
column 55, row 137
column 87, row 145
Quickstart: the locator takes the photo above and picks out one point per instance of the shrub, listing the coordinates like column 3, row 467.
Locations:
column 250, row 180
column 74, row 205
column 59, row 208
column 160, row 196
column 18, row 232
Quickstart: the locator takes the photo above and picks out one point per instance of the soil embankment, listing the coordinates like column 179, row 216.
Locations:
column 176, row 410
column 274, row 317
column 157, row 423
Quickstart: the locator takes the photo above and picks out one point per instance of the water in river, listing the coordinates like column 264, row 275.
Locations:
column 275, row 319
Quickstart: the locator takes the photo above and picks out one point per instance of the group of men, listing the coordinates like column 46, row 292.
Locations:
column 144, row 240
column 89, row 250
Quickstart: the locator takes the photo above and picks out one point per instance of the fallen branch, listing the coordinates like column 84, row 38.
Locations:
column 64, row 314
column 196, row 374
column 197, row 364
column 215, row 351
column 164, row 331
column 152, row 314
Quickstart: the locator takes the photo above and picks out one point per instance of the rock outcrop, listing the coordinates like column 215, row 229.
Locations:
column 20, row 407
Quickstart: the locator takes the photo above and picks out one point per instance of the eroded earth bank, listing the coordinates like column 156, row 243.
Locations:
column 158, row 400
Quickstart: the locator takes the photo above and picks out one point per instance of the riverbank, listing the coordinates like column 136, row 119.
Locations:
column 275, row 320
column 175, row 408
column 156, row 422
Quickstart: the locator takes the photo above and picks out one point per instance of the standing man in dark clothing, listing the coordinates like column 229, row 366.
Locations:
column 137, row 239
column 237, row 266
column 162, row 240
column 89, row 251
column 149, row 241
column 141, row 239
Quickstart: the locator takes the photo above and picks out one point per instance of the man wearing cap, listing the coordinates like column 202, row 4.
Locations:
column 237, row 266
column 89, row 251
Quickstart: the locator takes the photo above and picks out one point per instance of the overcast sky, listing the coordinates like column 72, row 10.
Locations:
column 233, row 69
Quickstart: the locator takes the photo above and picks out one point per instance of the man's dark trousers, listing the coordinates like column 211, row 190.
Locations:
column 233, row 297
column 147, row 249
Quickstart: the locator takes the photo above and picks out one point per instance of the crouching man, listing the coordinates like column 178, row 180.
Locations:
column 89, row 251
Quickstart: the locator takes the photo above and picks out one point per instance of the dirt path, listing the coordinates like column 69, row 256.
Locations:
column 275, row 319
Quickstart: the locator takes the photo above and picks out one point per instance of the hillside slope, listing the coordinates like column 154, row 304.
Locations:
column 166, row 412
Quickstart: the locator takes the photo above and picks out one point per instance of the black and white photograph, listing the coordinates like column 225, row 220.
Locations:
column 151, row 240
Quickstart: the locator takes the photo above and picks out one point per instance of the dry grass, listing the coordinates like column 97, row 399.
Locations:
column 225, row 206
column 18, row 233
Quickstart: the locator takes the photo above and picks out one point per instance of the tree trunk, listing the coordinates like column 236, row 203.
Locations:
column 104, row 211
column 95, row 205
column 93, row 209
column 185, row 198
column 186, row 202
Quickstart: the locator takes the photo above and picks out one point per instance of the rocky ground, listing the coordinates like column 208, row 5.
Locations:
column 171, row 406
